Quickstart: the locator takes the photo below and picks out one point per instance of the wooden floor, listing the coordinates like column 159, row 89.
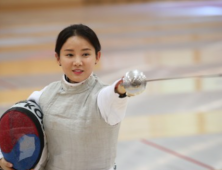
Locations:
column 162, row 39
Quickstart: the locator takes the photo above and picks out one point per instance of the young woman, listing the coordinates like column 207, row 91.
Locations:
column 81, row 115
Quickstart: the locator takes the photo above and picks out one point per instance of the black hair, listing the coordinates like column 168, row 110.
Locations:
column 77, row 30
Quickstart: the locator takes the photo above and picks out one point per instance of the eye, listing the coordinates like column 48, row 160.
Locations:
column 69, row 55
column 85, row 54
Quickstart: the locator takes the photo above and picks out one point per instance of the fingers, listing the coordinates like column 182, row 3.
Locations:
column 6, row 165
column 119, row 88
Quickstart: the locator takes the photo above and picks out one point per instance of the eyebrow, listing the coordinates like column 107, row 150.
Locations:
column 68, row 50
column 84, row 49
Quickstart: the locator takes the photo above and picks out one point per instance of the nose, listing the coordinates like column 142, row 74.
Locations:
column 77, row 61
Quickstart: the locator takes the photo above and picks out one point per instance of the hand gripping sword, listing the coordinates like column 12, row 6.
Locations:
column 135, row 81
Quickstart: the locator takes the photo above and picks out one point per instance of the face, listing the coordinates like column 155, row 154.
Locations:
column 77, row 59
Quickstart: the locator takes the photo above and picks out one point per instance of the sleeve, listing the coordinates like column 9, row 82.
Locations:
column 112, row 107
column 36, row 95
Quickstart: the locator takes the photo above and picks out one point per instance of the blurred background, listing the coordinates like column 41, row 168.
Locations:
column 174, row 124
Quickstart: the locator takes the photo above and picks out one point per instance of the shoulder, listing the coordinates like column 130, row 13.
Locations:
column 54, row 85
column 99, row 82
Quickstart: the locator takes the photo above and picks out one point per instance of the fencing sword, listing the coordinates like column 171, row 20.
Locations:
column 135, row 81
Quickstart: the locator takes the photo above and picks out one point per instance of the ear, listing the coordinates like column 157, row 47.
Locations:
column 57, row 59
column 98, row 56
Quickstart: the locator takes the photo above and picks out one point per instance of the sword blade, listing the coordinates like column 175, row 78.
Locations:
column 185, row 77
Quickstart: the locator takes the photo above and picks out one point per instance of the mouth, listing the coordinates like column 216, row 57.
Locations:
column 77, row 71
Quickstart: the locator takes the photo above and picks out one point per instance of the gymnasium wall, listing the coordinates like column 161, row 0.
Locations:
column 24, row 4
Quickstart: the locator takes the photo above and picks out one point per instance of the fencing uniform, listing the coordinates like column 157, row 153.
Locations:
column 82, row 123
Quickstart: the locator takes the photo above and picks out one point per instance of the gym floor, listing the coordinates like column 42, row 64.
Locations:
column 174, row 124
